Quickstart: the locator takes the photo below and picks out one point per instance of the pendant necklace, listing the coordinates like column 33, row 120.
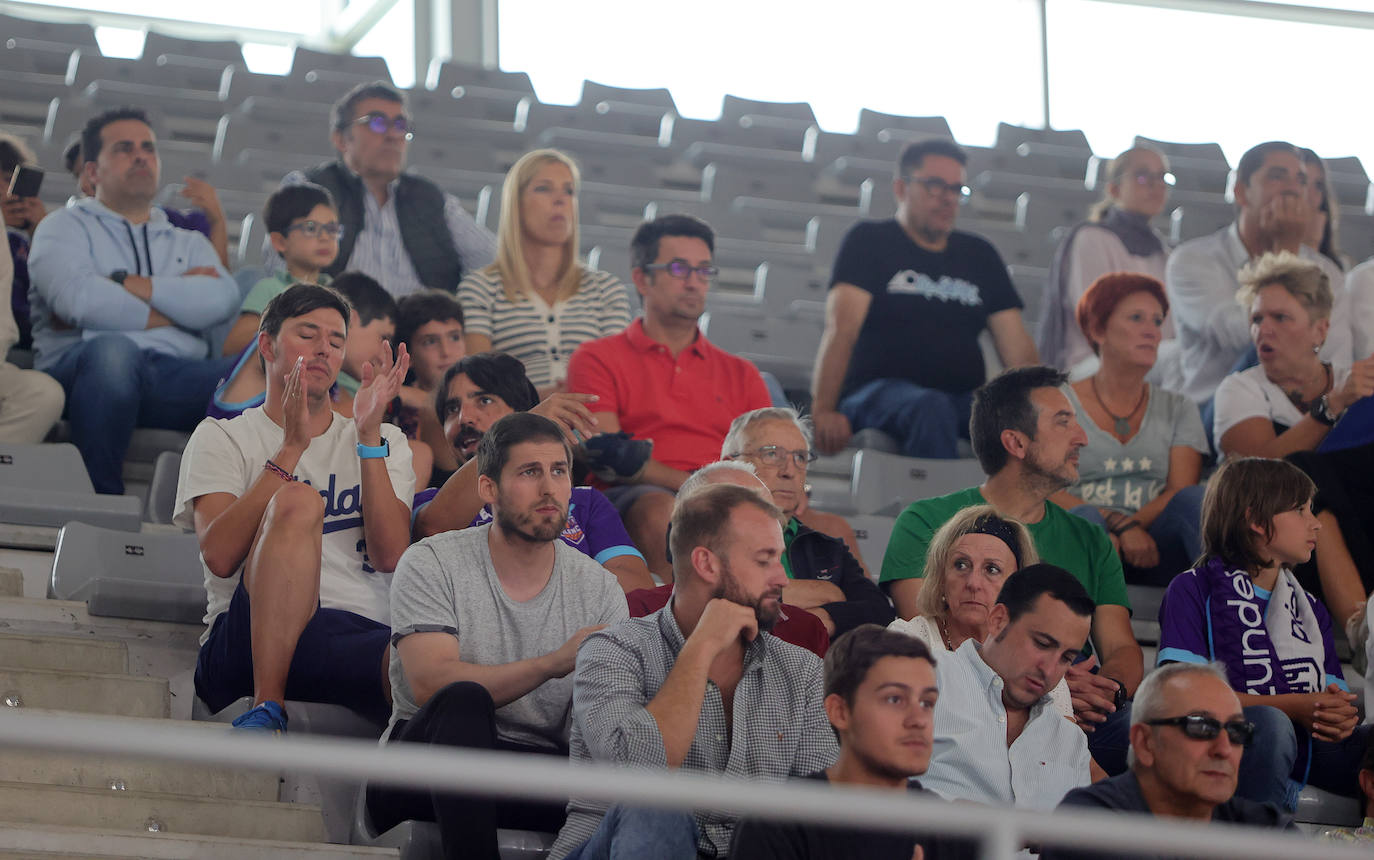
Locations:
column 1120, row 423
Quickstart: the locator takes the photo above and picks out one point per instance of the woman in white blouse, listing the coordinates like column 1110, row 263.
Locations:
column 969, row 559
column 1289, row 401
column 1116, row 237
column 538, row 301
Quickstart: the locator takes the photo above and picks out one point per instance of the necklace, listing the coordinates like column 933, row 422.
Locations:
column 944, row 633
column 1121, row 424
column 1305, row 406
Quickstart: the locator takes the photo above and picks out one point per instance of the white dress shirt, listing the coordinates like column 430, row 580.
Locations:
column 971, row 759
column 1213, row 329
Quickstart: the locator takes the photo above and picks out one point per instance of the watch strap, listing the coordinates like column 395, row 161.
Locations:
column 371, row 452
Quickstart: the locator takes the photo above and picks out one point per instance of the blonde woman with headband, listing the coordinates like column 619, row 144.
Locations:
column 970, row 557
column 538, row 301
column 1116, row 237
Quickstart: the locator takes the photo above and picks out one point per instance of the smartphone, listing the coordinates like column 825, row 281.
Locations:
column 26, row 181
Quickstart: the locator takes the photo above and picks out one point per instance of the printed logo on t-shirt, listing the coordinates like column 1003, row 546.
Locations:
column 947, row 289
column 573, row 534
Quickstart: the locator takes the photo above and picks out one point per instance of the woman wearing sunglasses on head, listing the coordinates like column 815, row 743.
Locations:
column 538, row 301
column 1116, row 237
column 1242, row 606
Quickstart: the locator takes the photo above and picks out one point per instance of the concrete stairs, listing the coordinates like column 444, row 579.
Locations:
column 56, row 658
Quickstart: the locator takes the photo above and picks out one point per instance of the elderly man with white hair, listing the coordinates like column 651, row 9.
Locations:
column 824, row 577
column 1188, row 734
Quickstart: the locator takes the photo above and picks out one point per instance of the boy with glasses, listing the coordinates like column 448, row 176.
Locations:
column 1188, row 734
column 908, row 299
column 399, row 228
column 661, row 382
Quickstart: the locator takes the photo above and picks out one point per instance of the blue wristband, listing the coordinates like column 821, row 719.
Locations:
column 371, row 452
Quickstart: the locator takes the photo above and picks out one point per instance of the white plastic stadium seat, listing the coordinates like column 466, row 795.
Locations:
column 47, row 485
column 152, row 576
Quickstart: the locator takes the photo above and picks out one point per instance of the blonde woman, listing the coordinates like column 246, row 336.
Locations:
column 970, row 557
column 1116, row 237
column 538, row 301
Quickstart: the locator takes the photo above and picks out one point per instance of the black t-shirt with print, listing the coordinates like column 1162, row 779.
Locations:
column 928, row 308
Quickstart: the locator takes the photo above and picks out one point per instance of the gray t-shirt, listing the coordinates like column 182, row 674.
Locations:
column 447, row 584
column 1126, row 476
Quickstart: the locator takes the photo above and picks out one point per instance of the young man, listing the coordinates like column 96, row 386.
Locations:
column 303, row 227
column 1188, row 734
column 997, row 741
column 700, row 685
column 119, row 297
column 880, row 695
column 1027, row 439
column 824, row 577
column 487, row 622
column 477, row 392
column 661, row 380
column 908, row 299
column 400, row 228
column 302, row 514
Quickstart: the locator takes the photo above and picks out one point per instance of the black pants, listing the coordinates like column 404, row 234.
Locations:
column 461, row 715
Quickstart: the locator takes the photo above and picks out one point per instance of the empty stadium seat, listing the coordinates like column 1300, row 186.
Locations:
column 162, row 490
column 783, row 346
column 872, row 533
column 152, row 576
column 447, row 74
column 1192, row 220
column 467, row 102
column 616, row 260
column 1347, row 177
column 887, row 483
column 52, row 39
column 47, row 485
column 1030, row 286
column 339, row 68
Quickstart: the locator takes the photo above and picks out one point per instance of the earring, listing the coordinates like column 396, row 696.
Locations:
column 1317, row 350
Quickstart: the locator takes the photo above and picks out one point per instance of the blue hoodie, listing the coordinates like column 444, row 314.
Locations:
column 73, row 298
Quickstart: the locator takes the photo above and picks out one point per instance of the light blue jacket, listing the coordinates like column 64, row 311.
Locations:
column 73, row 298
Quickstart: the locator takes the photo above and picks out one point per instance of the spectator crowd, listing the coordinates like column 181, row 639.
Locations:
column 458, row 483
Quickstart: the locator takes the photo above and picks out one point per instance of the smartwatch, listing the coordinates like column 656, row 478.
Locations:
column 118, row 276
column 371, row 452
column 1321, row 410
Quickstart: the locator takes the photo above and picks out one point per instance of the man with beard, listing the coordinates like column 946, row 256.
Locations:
column 701, row 685
column 1188, row 734
column 474, row 394
column 486, row 623
column 1027, row 438
column 998, row 741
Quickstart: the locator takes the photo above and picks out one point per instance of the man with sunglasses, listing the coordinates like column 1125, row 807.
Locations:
column 908, row 299
column 1188, row 733
column 661, row 380
column 824, row 576
column 399, row 228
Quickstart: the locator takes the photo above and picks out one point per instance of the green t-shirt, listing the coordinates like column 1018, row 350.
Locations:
column 268, row 289
column 1061, row 538
column 788, row 535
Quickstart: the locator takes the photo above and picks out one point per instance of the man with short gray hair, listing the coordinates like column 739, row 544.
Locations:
column 824, row 577
column 1188, row 734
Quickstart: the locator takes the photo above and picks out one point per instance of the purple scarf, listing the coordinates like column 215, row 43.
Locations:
column 1278, row 651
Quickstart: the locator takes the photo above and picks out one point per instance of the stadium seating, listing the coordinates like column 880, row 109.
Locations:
column 152, row 576
column 47, row 485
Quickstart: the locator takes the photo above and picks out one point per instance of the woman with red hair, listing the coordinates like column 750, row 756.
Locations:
column 1138, row 475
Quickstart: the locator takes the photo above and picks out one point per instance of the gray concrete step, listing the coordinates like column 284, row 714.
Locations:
column 87, row 770
column 39, row 842
column 11, row 582
column 85, row 692
column 63, row 653
column 134, row 811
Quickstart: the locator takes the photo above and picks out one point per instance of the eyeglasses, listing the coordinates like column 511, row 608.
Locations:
column 935, row 186
column 313, row 229
column 775, row 455
column 380, row 123
column 682, row 269
column 1149, row 177
column 1204, row 728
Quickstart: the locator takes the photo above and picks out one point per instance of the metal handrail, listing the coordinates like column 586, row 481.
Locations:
column 1000, row 831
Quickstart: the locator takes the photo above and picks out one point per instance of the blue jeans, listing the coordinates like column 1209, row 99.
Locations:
column 1268, row 762
column 114, row 386
column 924, row 421
column 630, row 833
column 1109, row 741
column 1177, row 532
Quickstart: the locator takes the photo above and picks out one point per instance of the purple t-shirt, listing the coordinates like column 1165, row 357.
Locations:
column 189, row 219
column 594, row 528
column 1185, row 629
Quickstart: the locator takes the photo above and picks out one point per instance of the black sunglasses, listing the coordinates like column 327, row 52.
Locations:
column 1204, row 728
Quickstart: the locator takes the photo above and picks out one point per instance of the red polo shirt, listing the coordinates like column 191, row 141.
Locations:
column 684, row 404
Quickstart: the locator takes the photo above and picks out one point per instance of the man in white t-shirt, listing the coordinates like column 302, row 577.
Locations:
column 487, row 621
column 302, row 514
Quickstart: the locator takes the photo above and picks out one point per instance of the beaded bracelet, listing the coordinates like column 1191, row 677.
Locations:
column 279, row 471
